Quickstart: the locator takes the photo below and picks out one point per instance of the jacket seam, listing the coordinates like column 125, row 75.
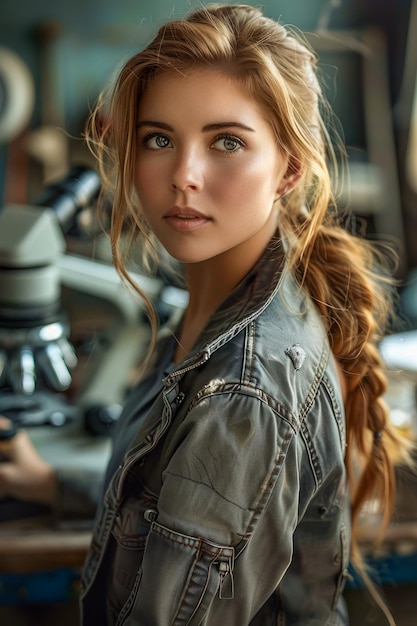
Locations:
column 280, row 410
column 248, row 352
column 336, row 409
column 304, row 411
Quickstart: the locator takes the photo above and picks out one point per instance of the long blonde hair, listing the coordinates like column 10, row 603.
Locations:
column 341, row 271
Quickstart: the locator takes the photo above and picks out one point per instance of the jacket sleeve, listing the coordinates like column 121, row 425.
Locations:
column 230, row 454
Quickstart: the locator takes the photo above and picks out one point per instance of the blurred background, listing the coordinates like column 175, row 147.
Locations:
column 54, row 59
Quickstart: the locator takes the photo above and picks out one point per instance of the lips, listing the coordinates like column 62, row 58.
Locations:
column 185, row 219
column 184, row 212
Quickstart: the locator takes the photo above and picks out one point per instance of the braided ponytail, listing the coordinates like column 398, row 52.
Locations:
column 352, row 289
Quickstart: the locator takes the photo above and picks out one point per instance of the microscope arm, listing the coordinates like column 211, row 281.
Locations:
column 101, row 280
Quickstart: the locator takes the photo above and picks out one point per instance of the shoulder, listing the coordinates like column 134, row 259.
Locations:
column 283, row 351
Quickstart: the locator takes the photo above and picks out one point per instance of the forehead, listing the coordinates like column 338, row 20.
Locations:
column 198, row 93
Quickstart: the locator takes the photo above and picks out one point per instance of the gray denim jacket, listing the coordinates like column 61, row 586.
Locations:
column 227, row 498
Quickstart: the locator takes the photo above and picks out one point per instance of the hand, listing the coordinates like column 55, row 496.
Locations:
column 24, row 475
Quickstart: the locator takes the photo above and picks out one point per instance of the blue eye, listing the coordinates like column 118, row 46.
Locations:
column 228, row 143
column 156, row 141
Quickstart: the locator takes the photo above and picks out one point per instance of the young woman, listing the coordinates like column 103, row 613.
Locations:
column 251, row 445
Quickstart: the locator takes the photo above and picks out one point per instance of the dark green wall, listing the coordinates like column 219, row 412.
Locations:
column 92, row 36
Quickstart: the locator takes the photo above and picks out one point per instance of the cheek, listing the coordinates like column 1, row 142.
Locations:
column 255, row 182
column 146, row 183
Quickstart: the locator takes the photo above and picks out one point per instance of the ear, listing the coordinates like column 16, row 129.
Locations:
column 291, row 177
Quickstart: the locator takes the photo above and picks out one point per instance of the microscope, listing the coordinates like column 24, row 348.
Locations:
column 36, row 356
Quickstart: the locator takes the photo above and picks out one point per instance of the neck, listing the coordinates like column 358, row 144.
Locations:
column 208, row 284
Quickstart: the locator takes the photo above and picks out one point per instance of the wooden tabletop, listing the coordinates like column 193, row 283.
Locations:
column 34, row 546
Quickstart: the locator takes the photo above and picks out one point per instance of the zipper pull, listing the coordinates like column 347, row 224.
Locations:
column 226, row 586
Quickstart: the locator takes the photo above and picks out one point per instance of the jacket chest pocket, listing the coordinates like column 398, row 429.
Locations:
column 159, row 576
column 191, row 571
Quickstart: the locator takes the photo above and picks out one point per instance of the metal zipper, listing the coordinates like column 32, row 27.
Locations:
column 171, row 379
column 226, row 584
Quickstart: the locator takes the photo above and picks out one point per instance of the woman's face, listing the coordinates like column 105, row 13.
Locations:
column 208, row 169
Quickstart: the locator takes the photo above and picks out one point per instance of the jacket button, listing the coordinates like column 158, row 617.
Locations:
column 150, row 515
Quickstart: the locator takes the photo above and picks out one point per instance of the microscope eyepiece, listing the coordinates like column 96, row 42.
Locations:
column 71, row 195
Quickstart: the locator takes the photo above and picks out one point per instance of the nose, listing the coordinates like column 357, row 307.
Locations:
column 187, row 172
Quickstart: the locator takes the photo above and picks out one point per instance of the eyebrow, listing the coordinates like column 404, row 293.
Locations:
column 206, row 128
